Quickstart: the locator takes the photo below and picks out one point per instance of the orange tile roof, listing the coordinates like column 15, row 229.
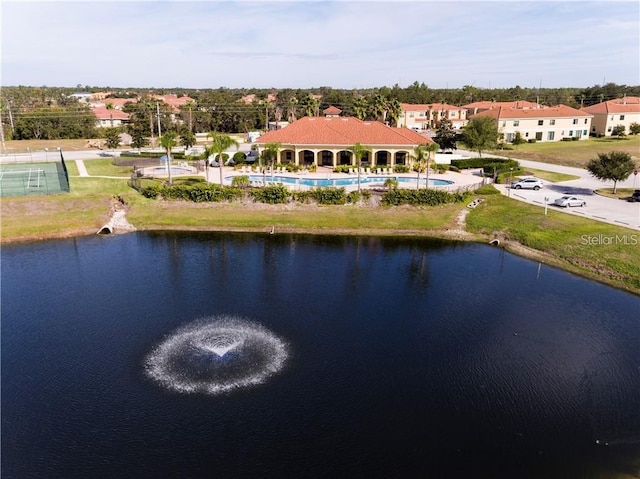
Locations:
column 557, row 111
column 118, row 102
column 430, row 106
column 342, row 131
column 489, row 105
column 102, row 113
column 332, row 110
column 630, row 104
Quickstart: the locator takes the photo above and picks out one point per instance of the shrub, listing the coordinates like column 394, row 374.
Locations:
column 342, row 169
column 422, row 197
column 301, row 196
column 454, row 168
column 329, row 196
column 272, row 194
column 353, row 197
column 401, row 169
column 239, row 157
column 531, row 140
column 240, row 181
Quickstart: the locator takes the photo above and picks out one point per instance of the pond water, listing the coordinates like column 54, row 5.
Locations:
column 237, row 355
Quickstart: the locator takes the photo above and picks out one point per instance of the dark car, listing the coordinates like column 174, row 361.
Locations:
column 635, row 196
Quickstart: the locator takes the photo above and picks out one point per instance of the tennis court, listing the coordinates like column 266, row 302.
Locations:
column 22, row 179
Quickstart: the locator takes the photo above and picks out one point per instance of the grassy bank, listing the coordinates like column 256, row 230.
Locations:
column 577, row 244
column 600, row 251
column 572, row 153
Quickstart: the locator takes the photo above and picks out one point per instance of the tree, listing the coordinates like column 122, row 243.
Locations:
column 270, row 153
column 613, row 166
column 446, row 136
column 431, row 149
column 138, row 137
column 634, row 128
column 394, row 111
column 221, row 143
column 112, row 137
column 187, row 138
column 480, row 134
column 420, row 157
column 359, row 151
column 168, row 142
column 619, row 131
column 110, row 106
column 518, row 140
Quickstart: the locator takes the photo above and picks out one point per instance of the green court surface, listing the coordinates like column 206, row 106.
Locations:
column 22, row 179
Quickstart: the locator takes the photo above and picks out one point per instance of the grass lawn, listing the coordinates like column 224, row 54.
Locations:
column 572, row 153
column 621, row 193
column 551, row 176
column 558, row 239
column 105, row 167
column 22, row 146
column 567, row 241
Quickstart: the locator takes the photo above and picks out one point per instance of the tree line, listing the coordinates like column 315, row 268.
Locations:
column 51, row 113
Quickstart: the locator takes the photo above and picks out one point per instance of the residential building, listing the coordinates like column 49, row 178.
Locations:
column 480, row 106
column 325, row 141
column 106, row 118
column 549, row 123
column 428, row 117
column 609, row 114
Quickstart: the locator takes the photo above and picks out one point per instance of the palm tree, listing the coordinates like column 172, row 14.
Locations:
column 110, row 106
column 359, row 151
column 431, row 149
column 270, row 153
column 419, row 157
column 168, row 141
column 221, row 143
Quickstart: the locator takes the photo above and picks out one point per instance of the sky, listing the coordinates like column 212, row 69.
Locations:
column 306, row 44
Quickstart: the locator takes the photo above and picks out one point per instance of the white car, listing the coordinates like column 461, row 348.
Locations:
column 529, row 183
column 567, row 201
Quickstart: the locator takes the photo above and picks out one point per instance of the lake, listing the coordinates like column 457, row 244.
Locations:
column 153, row 355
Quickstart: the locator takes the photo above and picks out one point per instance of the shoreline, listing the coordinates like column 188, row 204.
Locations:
column 455, row 234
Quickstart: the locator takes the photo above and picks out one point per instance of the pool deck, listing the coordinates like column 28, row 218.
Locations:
column 464, row 180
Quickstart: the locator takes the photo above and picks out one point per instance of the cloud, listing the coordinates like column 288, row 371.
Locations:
column 302, row 44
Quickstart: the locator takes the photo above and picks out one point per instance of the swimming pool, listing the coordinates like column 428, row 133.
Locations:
column 364, row 180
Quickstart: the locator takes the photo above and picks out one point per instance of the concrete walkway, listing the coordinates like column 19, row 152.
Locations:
column 82, row 169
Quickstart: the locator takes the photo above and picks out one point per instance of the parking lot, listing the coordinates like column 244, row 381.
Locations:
column 609, row 210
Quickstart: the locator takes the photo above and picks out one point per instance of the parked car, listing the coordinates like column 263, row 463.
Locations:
column 213, row 160
column 567, row 201
column 251, row 157
column 635, row 196
column 528, row 183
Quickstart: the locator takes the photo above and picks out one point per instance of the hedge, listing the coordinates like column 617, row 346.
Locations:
column 422, row 197
column 196, row 193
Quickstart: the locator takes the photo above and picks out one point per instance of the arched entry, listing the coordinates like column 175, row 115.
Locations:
column 383, row 158
column 326, row 158
column 287, row 156
column 306, row 157
column 344, row 157
column 401, row 158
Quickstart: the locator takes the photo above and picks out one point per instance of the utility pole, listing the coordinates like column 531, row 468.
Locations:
column 158, row 112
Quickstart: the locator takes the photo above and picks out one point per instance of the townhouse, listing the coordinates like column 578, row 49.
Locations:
column 428, row 116
column 541, row 123
column 609, row 114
